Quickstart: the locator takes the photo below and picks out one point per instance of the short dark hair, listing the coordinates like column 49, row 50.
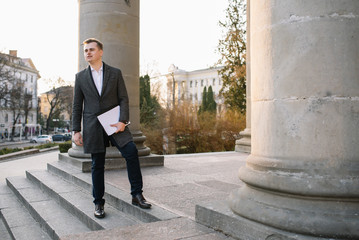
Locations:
column 90, row 40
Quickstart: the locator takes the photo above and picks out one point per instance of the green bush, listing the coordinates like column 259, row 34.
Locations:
column 9, row 150
column 64, row 147
column 46, row 145
column 29, row 147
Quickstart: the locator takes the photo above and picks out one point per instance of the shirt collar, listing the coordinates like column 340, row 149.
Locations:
column 101, row 68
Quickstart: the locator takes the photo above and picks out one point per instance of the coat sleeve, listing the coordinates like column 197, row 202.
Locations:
column 123, row 100
column 77, row 106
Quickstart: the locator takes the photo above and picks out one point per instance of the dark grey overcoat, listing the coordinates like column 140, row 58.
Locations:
column 88, row 103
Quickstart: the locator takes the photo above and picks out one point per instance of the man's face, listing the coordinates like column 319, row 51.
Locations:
column 92, row 52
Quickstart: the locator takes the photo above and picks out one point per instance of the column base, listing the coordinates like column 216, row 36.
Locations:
column 305, row 223
column 219, row 216
column 84, row 164
column 112, row 152
column 244, row 144
column 310, row 216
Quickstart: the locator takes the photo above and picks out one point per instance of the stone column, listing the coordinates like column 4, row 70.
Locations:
column 303, row 172
column 116, row 24
column 244, row 144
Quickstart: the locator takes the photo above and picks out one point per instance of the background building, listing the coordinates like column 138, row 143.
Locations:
column 22, row 107
column 188, row 86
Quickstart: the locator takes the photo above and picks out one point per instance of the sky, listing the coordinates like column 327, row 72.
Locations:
column 180, row 32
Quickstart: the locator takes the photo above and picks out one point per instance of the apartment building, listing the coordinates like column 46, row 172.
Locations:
column 14, row 69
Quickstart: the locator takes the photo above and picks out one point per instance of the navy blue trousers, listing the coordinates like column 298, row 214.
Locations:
column 130, row 153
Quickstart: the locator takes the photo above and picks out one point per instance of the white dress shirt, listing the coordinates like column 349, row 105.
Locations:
column 98, row 78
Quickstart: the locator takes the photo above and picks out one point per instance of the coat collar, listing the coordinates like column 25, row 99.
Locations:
column 106, row 74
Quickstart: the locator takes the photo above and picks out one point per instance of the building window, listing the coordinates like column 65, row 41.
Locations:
column 6, row 117
column 214, row 82
column 190, row 84
column 32, row 117
column 202, row 83
column 196, row 83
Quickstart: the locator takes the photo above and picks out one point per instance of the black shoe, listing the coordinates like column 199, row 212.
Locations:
column 99, row 211
column 139, row 200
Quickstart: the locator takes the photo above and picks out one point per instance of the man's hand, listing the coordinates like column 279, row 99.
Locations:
column 78, row 139
column 120, row 126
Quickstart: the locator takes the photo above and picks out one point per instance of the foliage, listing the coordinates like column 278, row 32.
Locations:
column 42, row 146
column 6, row 150
column 151, row 116
column 65, row 146
column 46, row 145
column 56, row 100
column 9, row 150
column 192, row 133
column 154, row 139
column 150, row 109
column 204, row 104
column 232, row 49
column 208, row 103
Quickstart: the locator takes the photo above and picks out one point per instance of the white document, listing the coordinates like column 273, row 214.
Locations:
column 110, row 117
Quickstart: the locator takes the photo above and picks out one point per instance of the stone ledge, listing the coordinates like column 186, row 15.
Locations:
column 84, row 164
column 26, row 152
column 19, row 153
column 219, row 216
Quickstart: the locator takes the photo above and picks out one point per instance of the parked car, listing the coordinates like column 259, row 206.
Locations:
column 58, row 137
column 42, row 139
column 67, row 136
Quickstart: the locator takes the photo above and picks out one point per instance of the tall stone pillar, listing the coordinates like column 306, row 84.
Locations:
column 302, row 176
column 244, row 144
column 116, row 24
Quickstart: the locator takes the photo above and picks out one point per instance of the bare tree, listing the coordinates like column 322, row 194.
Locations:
column 5, row 76
column 55, row 98
column 15, row 102
column 67, row 97
column 27, row 106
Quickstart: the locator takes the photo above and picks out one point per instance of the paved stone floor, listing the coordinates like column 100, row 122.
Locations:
column 184, row 181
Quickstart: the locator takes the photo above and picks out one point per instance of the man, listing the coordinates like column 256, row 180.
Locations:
column 99, row 88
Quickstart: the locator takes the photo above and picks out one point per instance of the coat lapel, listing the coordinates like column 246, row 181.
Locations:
column 105, row 79
column 92, row 82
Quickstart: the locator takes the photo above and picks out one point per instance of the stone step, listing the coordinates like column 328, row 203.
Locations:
column 84, row 164
column 179, row 228
column 116, row 197
column 79, row 201
column 53, row 218
column 5, row 235
column 15, row 220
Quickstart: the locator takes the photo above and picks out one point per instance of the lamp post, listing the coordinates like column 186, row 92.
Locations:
column 172, row 69
column 55, row 125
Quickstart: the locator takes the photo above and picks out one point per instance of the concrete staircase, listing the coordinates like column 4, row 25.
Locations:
column 57, row 202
